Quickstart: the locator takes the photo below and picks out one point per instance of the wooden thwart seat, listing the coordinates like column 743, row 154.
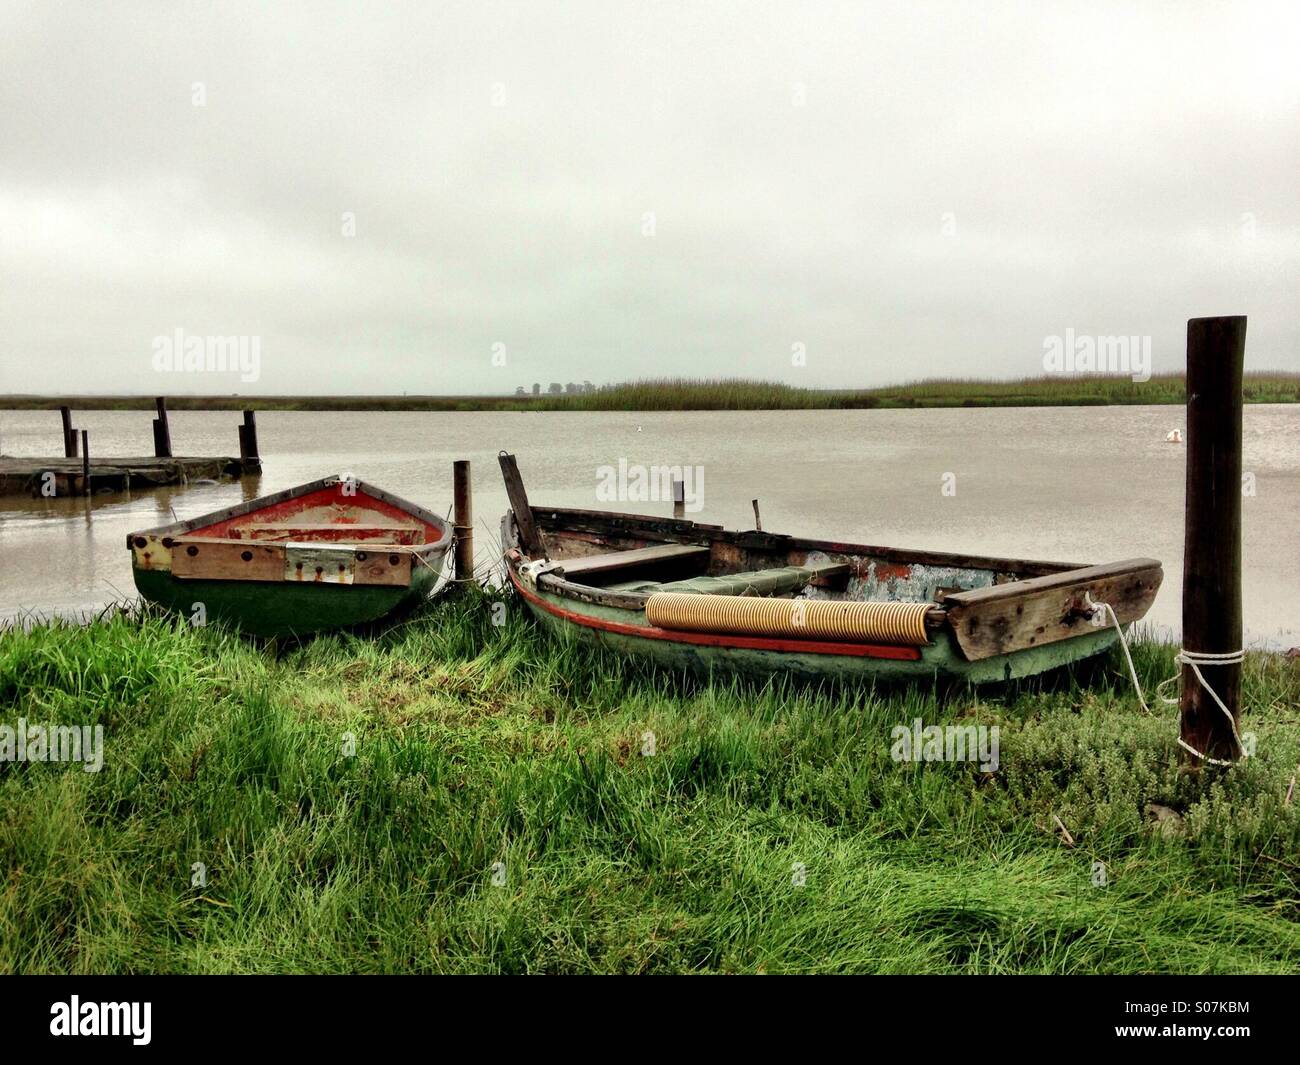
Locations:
column 614, row 561
column 329, row 531
column 778, row 580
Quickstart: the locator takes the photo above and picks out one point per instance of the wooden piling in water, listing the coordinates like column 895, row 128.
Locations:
column 162, row 433
column 85, row 462
column 69, row 434
column 679, row 499
column 463, row 519
column 248, row 437
column 1212, row 621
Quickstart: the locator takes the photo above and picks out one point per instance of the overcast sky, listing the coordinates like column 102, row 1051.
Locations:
column 615, row 191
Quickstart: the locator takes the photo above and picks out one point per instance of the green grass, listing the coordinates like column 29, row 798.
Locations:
column 734, row 394
column 478, row 744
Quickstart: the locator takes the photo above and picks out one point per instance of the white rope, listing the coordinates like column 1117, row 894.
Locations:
column 1194, row 659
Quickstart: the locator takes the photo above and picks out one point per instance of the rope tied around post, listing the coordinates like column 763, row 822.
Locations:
column 1194, row 660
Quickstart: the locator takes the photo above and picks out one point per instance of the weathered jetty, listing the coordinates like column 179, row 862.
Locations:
column 76, row 472
column 65, row 477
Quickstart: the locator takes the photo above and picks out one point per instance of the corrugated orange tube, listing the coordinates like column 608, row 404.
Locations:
column 810, row 619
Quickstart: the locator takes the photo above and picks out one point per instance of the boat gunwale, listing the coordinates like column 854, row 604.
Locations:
column 251, row 506
column 671, row 530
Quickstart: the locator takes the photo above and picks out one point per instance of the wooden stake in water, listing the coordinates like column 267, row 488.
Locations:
column 463, row 516
column 248, row 437
column 1212, row 538
column 162, row 433
column 69, row 434
column 85, row 462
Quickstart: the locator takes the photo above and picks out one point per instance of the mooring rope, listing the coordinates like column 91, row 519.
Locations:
column 1194, row 659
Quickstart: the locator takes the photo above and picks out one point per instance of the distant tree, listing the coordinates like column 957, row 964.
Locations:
column 537, row 389
column 555, row 388
column 587, row 386
column 520, row 391
column 572, row 388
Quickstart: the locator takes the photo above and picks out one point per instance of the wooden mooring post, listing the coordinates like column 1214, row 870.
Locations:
column 162, row 433
column 463, row 518
column 69, row 434
column 85, row 462
column 248, row 436
column 1212, row 536
column 679, row 499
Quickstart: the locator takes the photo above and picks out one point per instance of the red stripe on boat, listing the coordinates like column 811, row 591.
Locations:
column 710, row 639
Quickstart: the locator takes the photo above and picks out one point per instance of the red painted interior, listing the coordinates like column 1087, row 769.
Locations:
column 335, row 509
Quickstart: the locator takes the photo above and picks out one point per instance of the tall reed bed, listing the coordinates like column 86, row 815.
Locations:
column 737, row 394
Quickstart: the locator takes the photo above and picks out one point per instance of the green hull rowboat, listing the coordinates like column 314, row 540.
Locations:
column 326, row 555
column 699, row 597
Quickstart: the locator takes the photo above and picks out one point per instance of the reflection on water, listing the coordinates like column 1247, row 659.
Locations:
column 1085, row 484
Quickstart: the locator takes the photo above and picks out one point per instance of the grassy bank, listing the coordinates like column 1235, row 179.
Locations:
column 689, row 394
column 478, row 744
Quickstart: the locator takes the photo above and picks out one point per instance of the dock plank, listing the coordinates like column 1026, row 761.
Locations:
column 20, row 476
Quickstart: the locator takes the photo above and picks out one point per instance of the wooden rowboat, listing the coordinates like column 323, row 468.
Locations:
column 324, row 555
column 689, row 595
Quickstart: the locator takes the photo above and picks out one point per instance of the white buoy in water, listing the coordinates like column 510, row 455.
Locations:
column 1174, row 436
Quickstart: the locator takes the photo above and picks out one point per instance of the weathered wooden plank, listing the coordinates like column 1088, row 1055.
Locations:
column 200, row 558
column 209, row 558
column 383, row 567
column 614, row 561
column 333, row 531
column 1012, row 617
column 26, row 476
column 1067, row 578
column 530, row 536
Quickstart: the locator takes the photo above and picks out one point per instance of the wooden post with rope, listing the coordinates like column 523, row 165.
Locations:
column 1212, row 625
column 463, row 518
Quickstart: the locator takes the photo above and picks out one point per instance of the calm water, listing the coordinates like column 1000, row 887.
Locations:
column 1086, row 484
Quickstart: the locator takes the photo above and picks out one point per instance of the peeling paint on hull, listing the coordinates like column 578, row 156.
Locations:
column 940, row 660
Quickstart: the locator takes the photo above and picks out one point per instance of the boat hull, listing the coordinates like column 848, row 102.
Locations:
column 282, row 609
column 941, row 659
column 694, row 596
column 328, row 554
